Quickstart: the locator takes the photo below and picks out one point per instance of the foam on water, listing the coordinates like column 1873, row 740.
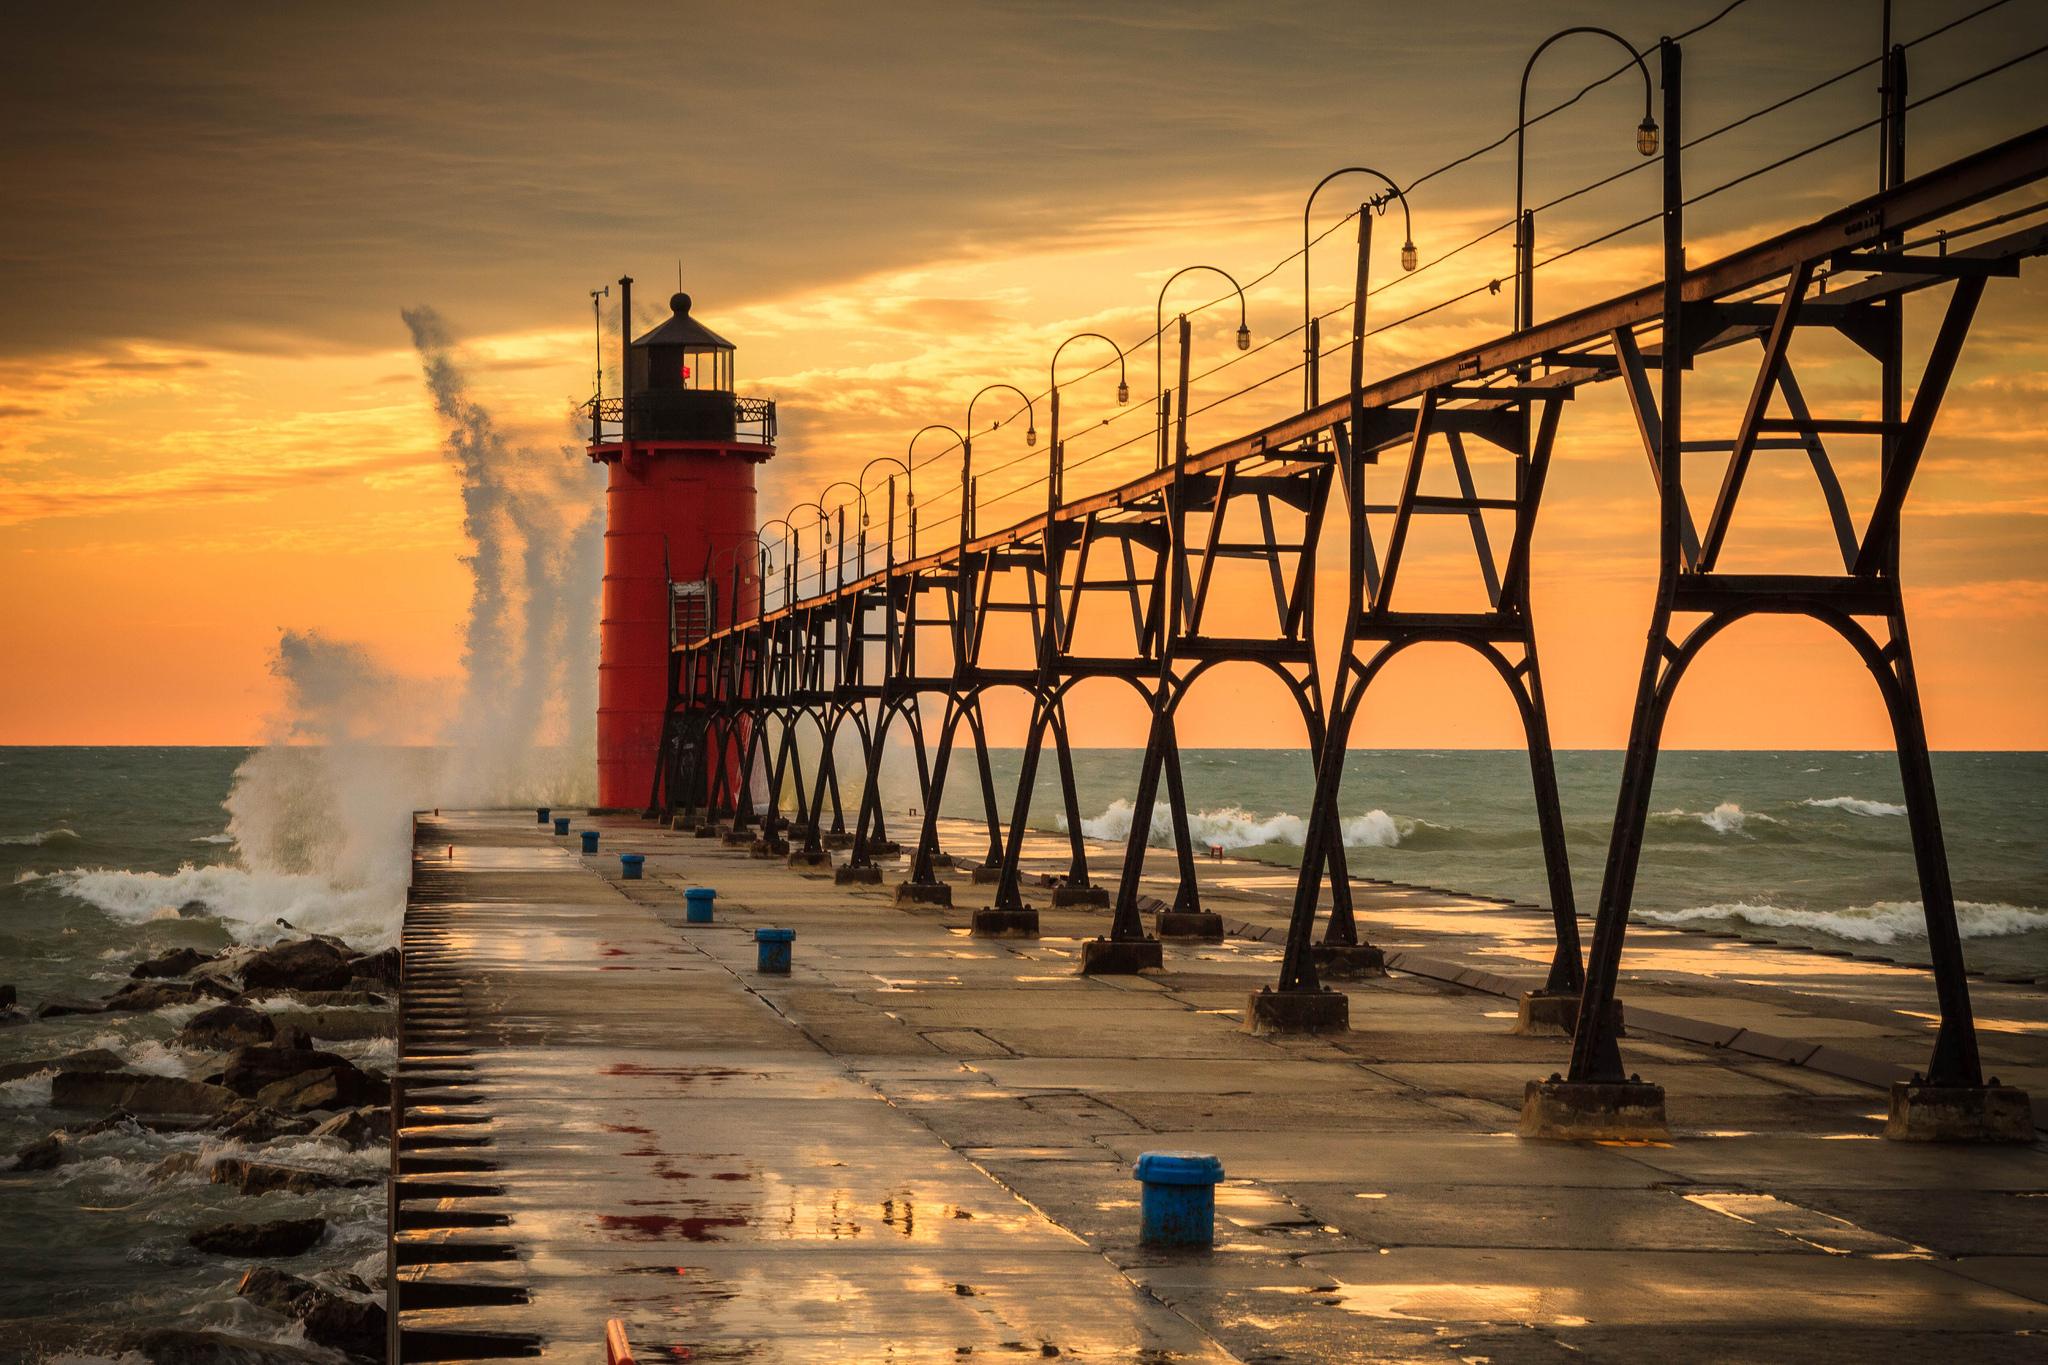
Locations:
column 1231, row 827
column 248, row 903
column 1879, row 923
column 1855, row 805
column 40, row 838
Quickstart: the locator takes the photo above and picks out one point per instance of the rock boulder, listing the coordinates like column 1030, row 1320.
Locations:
column 226, row 1026
column 358, row 1127
column 248, row 1121
column 307, row 964
column 176, row 962
column 281, row 1237
column 44, row 1154
column 352, row 1326
column 137, row 1093
column 263, row 1177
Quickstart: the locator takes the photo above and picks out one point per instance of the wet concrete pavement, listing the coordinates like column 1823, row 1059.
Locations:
column 917, row 1146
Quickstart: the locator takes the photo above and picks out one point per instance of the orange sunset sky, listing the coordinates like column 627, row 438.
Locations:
column 213, row 426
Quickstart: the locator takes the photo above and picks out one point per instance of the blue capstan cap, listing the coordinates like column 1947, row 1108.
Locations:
column 1178, row 1168
column 632, row 857
column 699, row 893
column 786, row 936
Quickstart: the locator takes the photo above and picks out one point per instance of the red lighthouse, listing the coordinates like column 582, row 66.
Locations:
column 680, row 447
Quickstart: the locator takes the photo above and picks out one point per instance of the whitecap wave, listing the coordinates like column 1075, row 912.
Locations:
column 1881, row 922
column 41, row 837
column 1726, row 818
column 1855, row 805
column 222, row 838
column 1232, row 827
column 248, row 903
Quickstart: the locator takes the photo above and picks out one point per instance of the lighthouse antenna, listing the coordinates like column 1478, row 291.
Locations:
column 597, row 297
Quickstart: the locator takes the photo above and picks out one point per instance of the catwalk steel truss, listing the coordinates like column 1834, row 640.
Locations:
column 1032, row 606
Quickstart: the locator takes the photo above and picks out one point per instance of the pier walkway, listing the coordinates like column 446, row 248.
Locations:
column 917, row 1146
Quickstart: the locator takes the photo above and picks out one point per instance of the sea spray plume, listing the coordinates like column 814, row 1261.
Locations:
column 526, row 726
column 320, row 814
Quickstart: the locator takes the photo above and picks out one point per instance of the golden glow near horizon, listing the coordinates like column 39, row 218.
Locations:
column 171, row 500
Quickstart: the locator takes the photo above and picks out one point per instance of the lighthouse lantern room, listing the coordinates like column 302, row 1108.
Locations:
column 679, row 446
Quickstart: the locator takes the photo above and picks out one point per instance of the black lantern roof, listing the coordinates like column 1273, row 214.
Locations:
column 684, row 331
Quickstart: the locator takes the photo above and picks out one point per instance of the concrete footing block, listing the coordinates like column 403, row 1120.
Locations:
column 1121, row 957
column 1555, row 1014
column 944, row 860
column 1097, row 896
column 884, row 848
column 768, row 848
column 1322, row 1011
column 802, row 859
column 1348, row 961
column 922, row 893
column 1618, row 1111
column 1959, row 1113
column 1006, row 923
column 708, row 831
column 988, row 874
column 836, row 839
column 737, row 838
column 851, row 875
column 1204, row 926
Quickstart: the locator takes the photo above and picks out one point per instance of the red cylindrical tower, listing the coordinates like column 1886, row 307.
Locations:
column 679, row 508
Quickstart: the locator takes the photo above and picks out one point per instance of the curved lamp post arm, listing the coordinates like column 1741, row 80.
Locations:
column 1244, row 331
column 1408, row 260
column 1244, row 341
column 1056, row 455
column 824, row 539
column 732, row 552
column 840, row 507
column 1646, row 143
column 967, row 451
column 958, row 440
column 781, row 542
column 889, row 554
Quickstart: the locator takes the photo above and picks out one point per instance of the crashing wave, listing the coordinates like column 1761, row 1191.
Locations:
column 1855, row 805
column 1725, row 818
column 248, row 903
column 40, row 837
column 1232, row 827
column 1878, row 923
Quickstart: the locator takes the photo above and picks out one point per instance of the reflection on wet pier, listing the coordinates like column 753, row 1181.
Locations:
column 918, row 1144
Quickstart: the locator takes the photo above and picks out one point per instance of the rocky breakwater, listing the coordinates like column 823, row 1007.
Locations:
column 266, row 1106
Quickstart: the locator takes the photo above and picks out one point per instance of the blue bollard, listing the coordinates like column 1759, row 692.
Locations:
column 771, row 950
column 1178, row 1207
column 697, row 904
column 589, row 841
column 561, row 824
column 540, row 814
column 629, row 866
